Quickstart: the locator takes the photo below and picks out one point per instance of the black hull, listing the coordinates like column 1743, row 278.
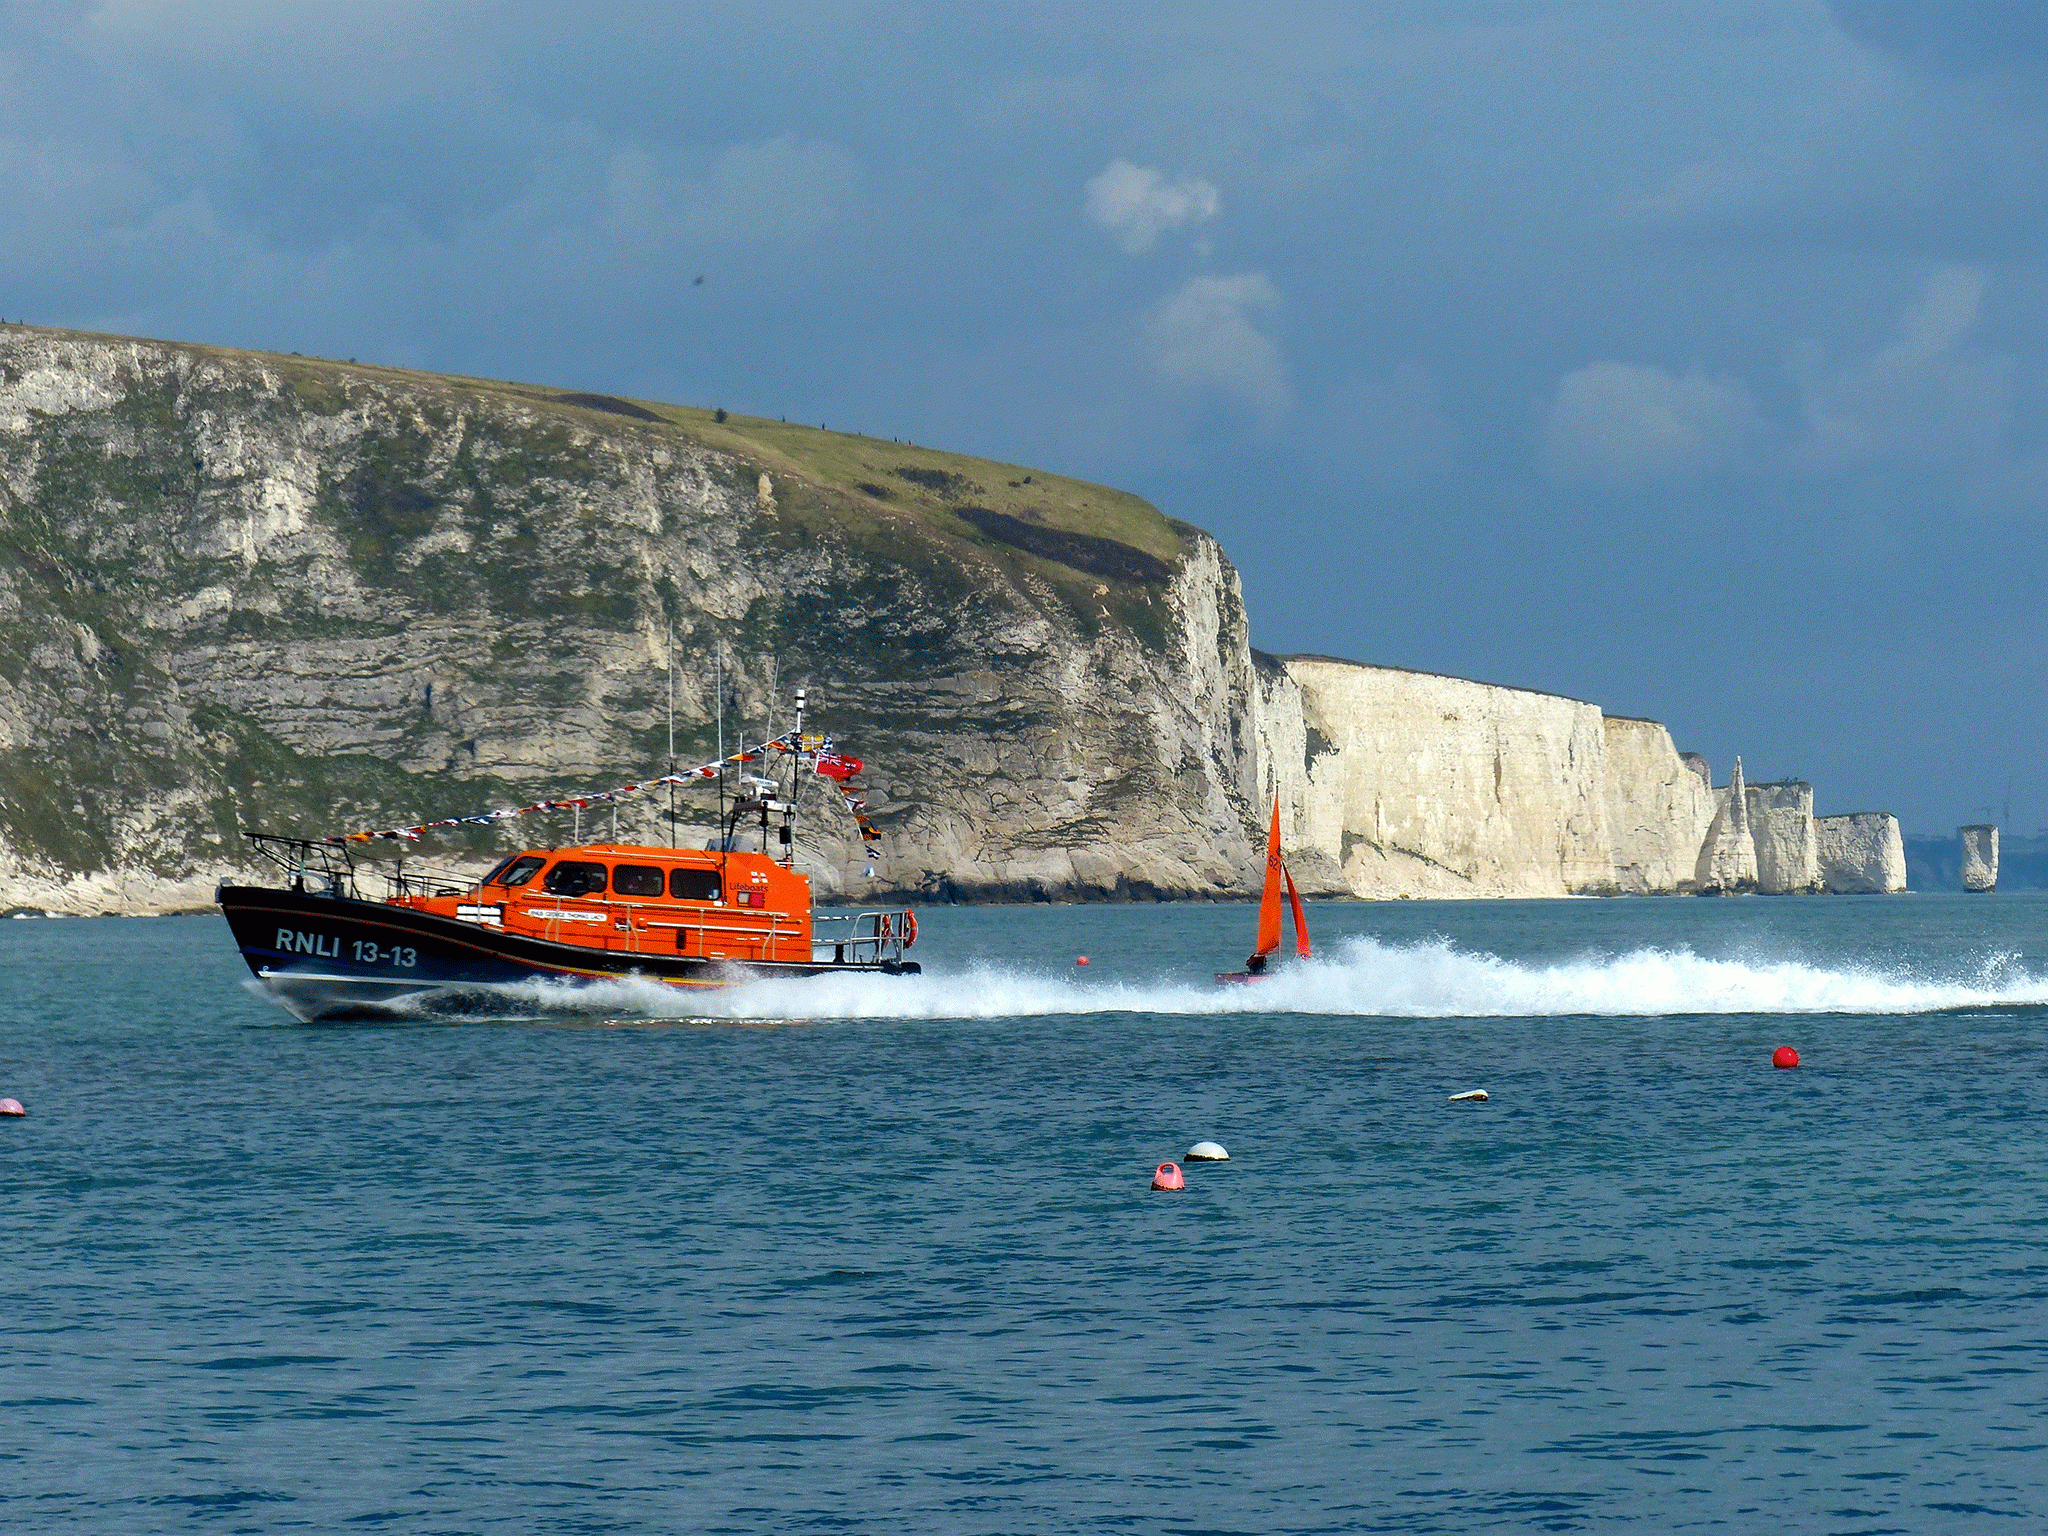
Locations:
column 326, row 957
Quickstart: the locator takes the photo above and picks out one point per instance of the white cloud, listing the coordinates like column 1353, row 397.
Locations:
column 1137, row 205
column 1622, row 422
column 1926, row 395
column 1202, row 335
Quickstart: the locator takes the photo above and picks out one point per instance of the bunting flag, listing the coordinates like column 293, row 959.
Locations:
column 812, row 750
column 857, row 807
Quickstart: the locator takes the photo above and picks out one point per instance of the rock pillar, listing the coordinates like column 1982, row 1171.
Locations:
column 1860, row 854
column 1980, row 857
column 1781, row 827
column 1727, row 863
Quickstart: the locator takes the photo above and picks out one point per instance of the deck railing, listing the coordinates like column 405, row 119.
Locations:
column 716, row 933
column 865, row 938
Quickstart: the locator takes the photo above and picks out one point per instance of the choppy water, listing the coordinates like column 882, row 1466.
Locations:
column 880, row 1256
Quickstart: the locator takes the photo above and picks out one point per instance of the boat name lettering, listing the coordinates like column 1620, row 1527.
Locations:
column 293, row 943
column 398, row 955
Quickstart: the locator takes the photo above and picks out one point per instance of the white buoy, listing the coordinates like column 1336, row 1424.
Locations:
column 1206, row 1152
column 1469, row 1096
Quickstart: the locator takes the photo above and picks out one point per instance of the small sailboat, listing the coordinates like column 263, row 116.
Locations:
column 1269, row 911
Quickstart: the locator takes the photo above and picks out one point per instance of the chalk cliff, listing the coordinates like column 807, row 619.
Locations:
column 1419, row 785
column 240, row 590
column 1860, row 854
column 1399, row 784
column 1659, row 807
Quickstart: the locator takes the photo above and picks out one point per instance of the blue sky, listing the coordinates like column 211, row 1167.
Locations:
column 1688, row 358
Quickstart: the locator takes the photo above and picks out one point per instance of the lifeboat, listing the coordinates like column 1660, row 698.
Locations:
column 324, row 947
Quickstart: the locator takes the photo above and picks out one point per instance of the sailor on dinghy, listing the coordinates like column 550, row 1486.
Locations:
column 1269, row 911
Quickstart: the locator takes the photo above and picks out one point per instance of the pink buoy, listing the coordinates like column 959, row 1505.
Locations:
column 1784, row 1058
column 1080, row 959
column 1167, row 1176
column 11, row 1107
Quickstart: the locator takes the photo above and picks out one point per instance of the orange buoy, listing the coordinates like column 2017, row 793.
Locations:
column 11, row 1108
column 1784, row 1058
column 1080, row 959
column 1167, row 1176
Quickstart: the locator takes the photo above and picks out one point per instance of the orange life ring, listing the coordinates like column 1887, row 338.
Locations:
column 909, row 929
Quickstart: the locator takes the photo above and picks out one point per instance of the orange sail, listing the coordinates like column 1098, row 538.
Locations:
column 1300, row 922
column 1269, row 903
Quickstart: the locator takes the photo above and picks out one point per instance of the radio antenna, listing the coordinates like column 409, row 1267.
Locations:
column 796, row 782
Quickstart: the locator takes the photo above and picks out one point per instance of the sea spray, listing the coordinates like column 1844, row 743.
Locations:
column 1361, row 977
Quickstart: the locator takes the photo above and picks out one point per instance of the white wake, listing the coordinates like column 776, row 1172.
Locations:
column 1362, row 977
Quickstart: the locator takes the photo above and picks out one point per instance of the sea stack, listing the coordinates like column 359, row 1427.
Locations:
column 1980, row 856
column 1781, row 828
column 1861, row 853
column 1727, row 864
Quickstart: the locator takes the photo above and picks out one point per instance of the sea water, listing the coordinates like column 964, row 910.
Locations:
column 880, row 1255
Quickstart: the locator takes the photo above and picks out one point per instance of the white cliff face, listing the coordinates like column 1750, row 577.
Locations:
column 1781, row 826
column 1980, row 857
column 1282, row 760
column 1659, row 807
column 1860, row 854
column 1396, row 784
column 1422, row 786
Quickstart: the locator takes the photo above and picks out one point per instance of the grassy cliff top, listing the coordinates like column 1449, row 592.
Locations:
column 924, row 482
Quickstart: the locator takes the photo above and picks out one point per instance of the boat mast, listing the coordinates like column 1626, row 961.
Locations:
column 768, row 731
column 795, row 785
column 671, row 733
column 723, row 840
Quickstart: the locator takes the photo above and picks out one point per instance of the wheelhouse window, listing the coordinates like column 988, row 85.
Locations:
column 516, row 870
column 693, row 884
column 574, row 877
column 636, row 880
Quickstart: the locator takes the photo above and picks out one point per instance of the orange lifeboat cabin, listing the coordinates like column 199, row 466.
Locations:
column 631, row 900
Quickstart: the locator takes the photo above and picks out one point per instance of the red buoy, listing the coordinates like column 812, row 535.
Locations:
column 1167, row 1176
column 1080, row 959
column 11, row 1107
column 1784, row 1058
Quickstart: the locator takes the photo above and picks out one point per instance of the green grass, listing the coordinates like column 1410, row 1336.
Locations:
column 877, row 473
